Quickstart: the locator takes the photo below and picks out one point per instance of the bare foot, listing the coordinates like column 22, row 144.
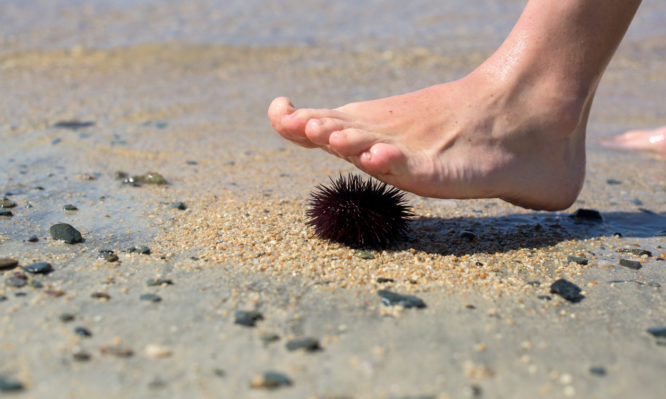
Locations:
column 472, row 138
column 640, row 140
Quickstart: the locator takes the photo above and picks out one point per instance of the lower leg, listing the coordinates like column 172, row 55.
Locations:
column 514, row 128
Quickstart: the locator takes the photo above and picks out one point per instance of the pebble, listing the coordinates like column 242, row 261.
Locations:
column 179, row 205
column 66, row 233
column 70, row 207
column 7, row 263
column 33, row 239
column 577, row 259
column 81, row 356
column 269, row 337
column 307, row 344
column 116, row 350
column 17, row 280
column 657, row 332
column 248, row 318
column 588, row 215
column 567, row 290
column 39, row 268
column 54, row 293
column 635, row 251
column 108, row 255
column 599, row 371
column 66, row 317
column 83, row 332
column 613, row 182
column 364, row 255
column 150, row 297
column 72, row 124
column 143, row 250
column 6, row 212
column 102, row 296
column 381, row 280
column 9, row 385
column 158, row 281
column 270, row 380
column 631, row 264
column 544, row 297
column 473, row 391
column 6, row 203
column 149, row 178
column 3, row 298
column 407, row 301
column 157, row 351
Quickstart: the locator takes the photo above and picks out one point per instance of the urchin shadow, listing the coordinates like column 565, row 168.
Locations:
column 496, row 234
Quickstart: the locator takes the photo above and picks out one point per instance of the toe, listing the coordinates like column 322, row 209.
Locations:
column 318, row 130
column 279, row 107
column 382, row 159
column 350, row 142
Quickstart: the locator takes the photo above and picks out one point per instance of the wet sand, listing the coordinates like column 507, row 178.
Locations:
column 195, row 113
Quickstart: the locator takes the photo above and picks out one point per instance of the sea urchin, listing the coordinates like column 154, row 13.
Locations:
column 359, row 213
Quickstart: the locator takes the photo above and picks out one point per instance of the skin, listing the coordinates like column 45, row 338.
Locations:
column 514, row 128
column 640, row 140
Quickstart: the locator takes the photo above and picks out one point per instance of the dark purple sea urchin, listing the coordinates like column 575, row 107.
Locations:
column 359, row 213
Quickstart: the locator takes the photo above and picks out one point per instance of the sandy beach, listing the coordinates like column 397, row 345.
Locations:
column 97, row 92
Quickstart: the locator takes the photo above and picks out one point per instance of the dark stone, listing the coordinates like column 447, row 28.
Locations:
column 637, row 202
column 6, row 203
column 271, row 380
column 408, row 301
column 33, row 238
column 160, row 281
column 17, row 280
column 219, row 372
column 143, row 250
column 66, row 317
column 635, row 251
column 631, row 264
column 100, row 295
column 7, row 263
column 36, row 284
column 567, row 290
column 9, row 385
column 364, row 254
column 577, row 259
column 81, row 356
column 3, row 298
column 269, row 337
column 70, row 207
column 592, row 215
column 148, row 178
column 191, row 162
column 6, row 212
column 599, row 371
column 534, row 283
column 108, row 255
column 467, row 235
column 179, row 205
column 544, row 297
column 657, row 332
column 150, row 297
column 39, row 268
column 83, row 332
column 384, row 280
column 66, row 233
column 73, row 124
column 248, row 318
column 613, row 182
column 307, row 344
column 473, row 391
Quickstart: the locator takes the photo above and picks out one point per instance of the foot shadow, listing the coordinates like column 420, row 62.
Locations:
column 497, row 234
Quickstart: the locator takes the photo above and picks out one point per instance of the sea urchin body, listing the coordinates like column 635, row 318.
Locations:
column 359, row 213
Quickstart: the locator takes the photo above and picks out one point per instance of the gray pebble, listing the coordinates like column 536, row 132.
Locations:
column 150, row 298
column 248, row 318
column 307, row 344
column 38, row 268
column 567, row 290
column 66, row 233
column 407, row 301
column 631, row 264
column 7, row 263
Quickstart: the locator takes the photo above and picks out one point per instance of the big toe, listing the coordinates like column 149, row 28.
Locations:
column 279, row 107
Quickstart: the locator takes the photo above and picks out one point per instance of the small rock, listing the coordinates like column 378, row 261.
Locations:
column 143, row 250
column 54, row 293
column 7, row 263
column 17, row 280
column 613, row 182
column 6, row 203
column 473, row 391
column 73, row 124
column 6, row 213
column 70, row 207
column 467, row 235
column 544, row 297
column 33, row 239
column 307, row 344
column 116, row 350
column 157, row 351
column 66, row 233
column 36, row 284
column 102, row 296
column 567, row 290
column 577, row 259
column 108, row 255
column 38, row 268
column 179, row 205
column 598, row 371
column 588, row 215
column 657, row 332
column 635, row 251
column 158, row 281
column 269, row 337
column 81, row 356
column 148, row 178
column 66, row 317
column 248, row 318
column 631, row 264
column 364, row 254
column 534, row 283
column 381, row 280
column 407, row 301
column 3, row 298
column 150, row 298
column 9, row 385
column 83, row 332
column 270, row 380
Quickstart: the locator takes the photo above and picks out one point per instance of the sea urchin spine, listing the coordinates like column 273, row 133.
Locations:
column 359, row 213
